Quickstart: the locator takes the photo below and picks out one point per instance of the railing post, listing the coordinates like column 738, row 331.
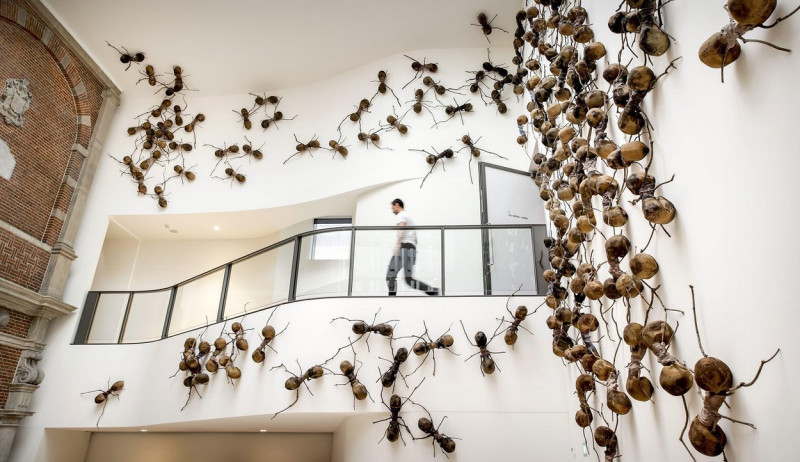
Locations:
column 295, row 269
column 171, row 304
column 441, row 289
column 224, row 295
column 125, row 319
column 352, row 261
column 87, row 316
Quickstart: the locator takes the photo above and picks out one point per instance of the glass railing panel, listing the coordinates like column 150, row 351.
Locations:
column 511, row 261
column 323, row 273
column 108, row 317
column 146, row 316
column 463, row 262
column 260, row 281
column 374, row 254
column 196, row 303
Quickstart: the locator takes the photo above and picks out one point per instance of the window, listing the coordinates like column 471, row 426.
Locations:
column 331, row 245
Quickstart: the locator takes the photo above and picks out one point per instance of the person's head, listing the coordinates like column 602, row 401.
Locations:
column 397, row 206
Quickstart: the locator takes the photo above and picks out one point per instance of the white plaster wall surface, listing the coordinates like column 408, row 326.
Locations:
column 116, row 264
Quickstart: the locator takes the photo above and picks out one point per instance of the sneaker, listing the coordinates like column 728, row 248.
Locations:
column 434, row 292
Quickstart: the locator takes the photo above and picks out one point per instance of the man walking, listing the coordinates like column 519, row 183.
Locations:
column 405, row 253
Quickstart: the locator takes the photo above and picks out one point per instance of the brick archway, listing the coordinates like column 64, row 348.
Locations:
column 21, row 17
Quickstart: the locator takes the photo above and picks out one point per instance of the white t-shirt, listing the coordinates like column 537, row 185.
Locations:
column 409, row 235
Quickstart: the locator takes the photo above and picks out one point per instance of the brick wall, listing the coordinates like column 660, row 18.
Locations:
column 18, row 324
column 42, row 146
column 9, row 358
column 22, row 262
column 49, row 151
column 66, row 101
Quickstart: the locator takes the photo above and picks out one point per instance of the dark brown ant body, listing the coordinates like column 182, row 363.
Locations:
column 395, row 122
column 372, row 137
column 337, row 148
column 182, row 171
column 396, row 403
column 191, row 382
column 177, row 83
column 446, row 443
column 146, row 126
column 263, row 100
column 715, row 378
column 247, row 150
column 362, row 328
column 519, row 315
column 475, row 151
column 389, row 377
column 268, row 334
column 165, row 104
column 276, row 117
column 191, row 125
column 149, row 75
column 453, row 110
column 420, row 68
column 245, row 114
column 501, row 106
column 438, row 88
column 476, row 83
column 304, row 147
column 294, row 382
column 382, row 86
column 425, row 345
column 432, row 159
column 486, row 25
column 194, row 350
column 102, row 397
column 488, row 365
column 127, row 57
column 419, row 103
column 363, row 106
column 178, row 111
column 348, row 369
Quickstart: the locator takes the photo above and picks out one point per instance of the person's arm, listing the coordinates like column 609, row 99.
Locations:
column 399, row 238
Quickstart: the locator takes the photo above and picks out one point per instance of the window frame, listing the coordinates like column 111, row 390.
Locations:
column 341, row 221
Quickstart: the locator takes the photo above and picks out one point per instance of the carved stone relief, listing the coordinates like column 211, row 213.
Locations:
column 15, row 100
column 28, row 370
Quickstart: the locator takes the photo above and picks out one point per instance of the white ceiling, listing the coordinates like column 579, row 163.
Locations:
column 241, row 46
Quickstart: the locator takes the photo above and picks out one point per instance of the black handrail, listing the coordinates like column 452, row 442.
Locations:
column 92, row 299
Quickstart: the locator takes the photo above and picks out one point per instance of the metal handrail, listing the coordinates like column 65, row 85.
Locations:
column 92, row 299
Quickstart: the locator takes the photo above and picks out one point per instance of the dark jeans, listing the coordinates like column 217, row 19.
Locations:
column 405, row 259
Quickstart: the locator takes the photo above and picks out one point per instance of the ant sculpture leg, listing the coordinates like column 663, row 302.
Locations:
column 191, row 387
column 398, row 419
column 297, row 390
column 105, row 394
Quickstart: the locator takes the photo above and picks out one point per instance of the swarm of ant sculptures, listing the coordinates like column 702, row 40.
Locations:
column 582, row 167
